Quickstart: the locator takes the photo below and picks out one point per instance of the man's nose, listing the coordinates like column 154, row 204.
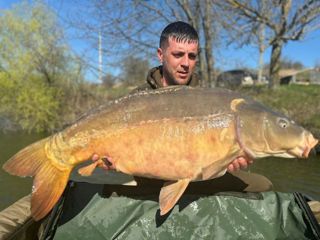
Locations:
column 185, row 61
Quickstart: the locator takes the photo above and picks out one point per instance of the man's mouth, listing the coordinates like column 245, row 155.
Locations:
column 182, row 74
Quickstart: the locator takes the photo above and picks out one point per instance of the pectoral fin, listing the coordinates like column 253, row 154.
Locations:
column 170, row 194
column 219, row 168
column 88, row 170
column 212, row 171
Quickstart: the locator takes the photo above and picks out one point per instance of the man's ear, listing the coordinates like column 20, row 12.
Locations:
column 160, row 54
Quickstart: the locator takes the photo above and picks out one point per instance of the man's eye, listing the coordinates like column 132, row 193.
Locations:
column 192, row 56
column 177, row 55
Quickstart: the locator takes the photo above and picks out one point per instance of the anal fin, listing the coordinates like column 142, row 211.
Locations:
column 170, row 193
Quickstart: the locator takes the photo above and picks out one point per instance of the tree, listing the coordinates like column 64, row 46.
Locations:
column 35, row 67
column 134, row 70
column 242, row 32
column 109, row 80
column 286, row 63
column 288, row 20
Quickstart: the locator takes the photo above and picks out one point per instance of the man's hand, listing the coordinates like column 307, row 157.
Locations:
column 240, row 162
column 105, row 162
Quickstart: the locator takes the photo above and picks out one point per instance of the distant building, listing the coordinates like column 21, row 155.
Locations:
column 315, row 76
column 235, row 78
column 302, row 76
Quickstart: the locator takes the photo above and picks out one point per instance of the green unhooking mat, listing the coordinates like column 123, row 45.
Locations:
column 91, row 215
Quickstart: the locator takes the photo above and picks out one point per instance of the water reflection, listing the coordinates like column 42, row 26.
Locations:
column 287, row 175
column 13, row 188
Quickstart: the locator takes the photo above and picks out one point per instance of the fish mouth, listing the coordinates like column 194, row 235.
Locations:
column 304, row 150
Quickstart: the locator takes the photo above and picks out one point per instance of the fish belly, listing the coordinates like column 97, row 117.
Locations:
column 169, row 149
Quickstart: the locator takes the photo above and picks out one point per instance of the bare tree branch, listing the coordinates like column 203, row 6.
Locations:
column 172, row 9
column 249, row 12
column 158, row 12
column 284, row 20
column 185, row 6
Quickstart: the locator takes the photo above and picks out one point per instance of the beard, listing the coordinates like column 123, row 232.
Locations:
column 171, row 79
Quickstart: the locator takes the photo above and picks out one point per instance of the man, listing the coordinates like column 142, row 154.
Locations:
column 177, row 52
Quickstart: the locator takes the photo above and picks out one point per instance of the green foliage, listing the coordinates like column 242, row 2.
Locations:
column 36, row 69
column 32, row 104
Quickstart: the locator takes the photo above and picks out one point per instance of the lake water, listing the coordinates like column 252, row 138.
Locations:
column 287, row 175
column 13, row 188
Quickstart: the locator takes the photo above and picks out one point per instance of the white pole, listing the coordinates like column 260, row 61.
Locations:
column 100, row 59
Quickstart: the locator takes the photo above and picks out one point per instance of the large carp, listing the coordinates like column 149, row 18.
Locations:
column 179, row 134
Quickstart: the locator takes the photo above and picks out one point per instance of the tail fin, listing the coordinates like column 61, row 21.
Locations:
column 49, row 181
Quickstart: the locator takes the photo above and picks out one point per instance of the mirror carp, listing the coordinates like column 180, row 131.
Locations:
column 179, row 134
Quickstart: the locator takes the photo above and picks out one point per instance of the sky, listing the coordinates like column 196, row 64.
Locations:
column 306, row 51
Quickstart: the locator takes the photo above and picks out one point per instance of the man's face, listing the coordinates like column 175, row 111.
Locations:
column 178, row 61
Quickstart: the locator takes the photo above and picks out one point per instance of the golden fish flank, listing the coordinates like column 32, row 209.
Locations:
column 159, row 134
column 169, row 131
column 213, row 121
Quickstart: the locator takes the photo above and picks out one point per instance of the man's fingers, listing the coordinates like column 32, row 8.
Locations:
column 243, row 162
column 95, row 157
column 230, row 168
column 236, row 164
column 240, row 162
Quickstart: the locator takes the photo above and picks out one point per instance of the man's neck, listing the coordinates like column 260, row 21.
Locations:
column 164, row 82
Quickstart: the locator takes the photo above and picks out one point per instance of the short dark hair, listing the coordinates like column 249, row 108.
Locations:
column 178, row 31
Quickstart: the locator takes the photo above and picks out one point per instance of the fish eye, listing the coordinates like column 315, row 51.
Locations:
column 283, row 123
